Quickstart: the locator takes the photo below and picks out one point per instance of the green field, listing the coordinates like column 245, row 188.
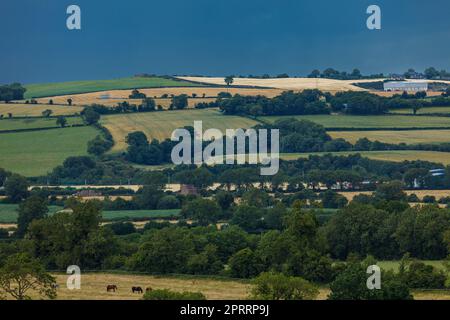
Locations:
column 160, row 125
column 8, row 213
column 34, row 123
column 36, row 153
column 423, row 110
column 385, row 121
column 395, row 156
column 73, row 87
column 139, row 214
column 396, row 137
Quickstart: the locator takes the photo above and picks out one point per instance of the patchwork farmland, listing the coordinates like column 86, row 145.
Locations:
column 160, row 125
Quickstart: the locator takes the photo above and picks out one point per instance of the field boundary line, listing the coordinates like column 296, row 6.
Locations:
column 41, row 129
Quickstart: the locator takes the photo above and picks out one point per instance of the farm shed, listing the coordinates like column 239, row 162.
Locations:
column 405, row 86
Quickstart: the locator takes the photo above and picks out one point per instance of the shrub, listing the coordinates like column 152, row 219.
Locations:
column 277, row 286
column 422, row 276
column 165, row 294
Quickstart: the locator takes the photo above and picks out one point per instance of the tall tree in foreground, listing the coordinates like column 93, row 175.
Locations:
column 22, row 276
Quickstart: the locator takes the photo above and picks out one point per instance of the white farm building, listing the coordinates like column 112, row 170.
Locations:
column 408, row 86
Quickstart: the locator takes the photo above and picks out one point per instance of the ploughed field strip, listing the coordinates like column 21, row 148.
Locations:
column 62, row 88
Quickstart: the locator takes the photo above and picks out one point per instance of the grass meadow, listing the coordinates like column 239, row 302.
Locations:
column 405, row 136
column 428, row 110
column 35, row 123
column 36, row 153
column 138, row 214
column 8, row 213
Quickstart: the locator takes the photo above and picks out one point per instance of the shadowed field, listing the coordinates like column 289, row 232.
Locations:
column 35, row 110
column 112, row 97
column 61, row 88
column 35, row 123
column 407, row 136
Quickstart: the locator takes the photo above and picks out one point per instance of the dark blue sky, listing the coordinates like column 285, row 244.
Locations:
column 217, row 37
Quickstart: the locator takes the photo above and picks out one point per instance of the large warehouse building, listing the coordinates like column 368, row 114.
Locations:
column 405, row 86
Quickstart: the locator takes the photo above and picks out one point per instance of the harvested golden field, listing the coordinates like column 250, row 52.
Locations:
column 112, row 97
column 389, row 155
column 160, row 125
column 419, row 193
column 392, row 93
column 35, row 110
column 407, row 136
column 93, row 287
column 288, row 83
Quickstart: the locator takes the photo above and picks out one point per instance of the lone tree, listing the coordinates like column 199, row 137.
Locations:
column 61, row 121
column 229, row 80
column 21, row 274
column 47, row 113
column 16, row 188
column 69, row 101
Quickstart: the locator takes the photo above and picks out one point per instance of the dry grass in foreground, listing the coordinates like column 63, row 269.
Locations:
column 93, row 287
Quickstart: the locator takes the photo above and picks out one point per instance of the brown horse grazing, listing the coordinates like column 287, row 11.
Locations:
column 111, row 287
column 148, row 289
column 137, row 289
